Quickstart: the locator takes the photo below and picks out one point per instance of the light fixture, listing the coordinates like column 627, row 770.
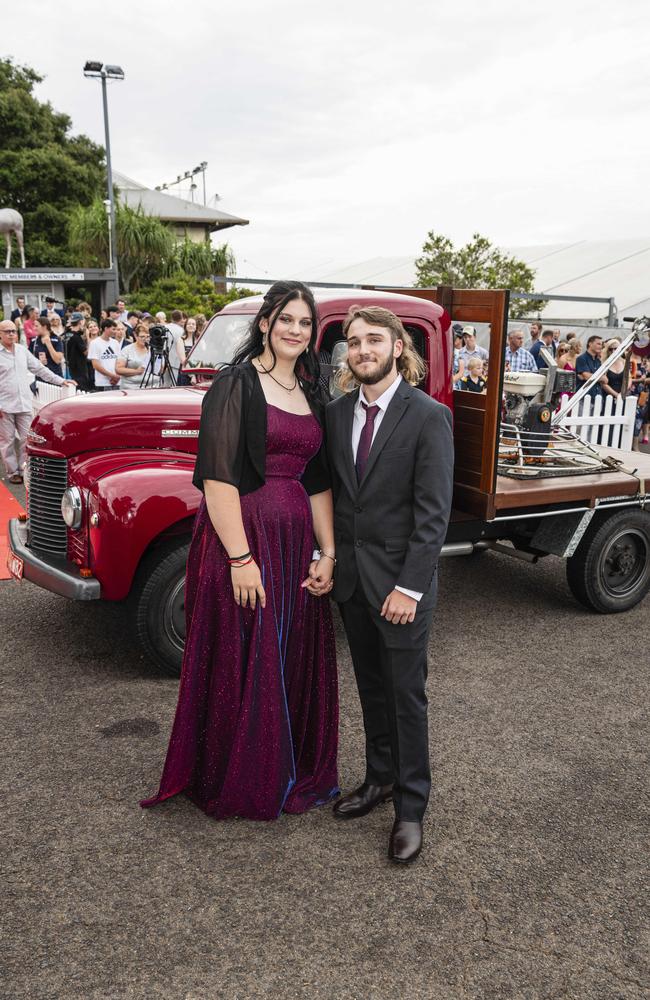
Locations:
column 72, row 507
column 105, row 71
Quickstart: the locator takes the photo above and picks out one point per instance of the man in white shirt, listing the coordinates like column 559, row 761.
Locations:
column 16, row 364
column 103, row 352
column 175, row 344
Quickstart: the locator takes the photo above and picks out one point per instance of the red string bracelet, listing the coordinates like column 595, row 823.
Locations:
column 237, row 563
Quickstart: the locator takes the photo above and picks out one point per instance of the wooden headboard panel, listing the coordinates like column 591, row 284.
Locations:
column 476, row 417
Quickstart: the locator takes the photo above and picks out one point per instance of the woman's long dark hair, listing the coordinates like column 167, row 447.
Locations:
column 278, row 296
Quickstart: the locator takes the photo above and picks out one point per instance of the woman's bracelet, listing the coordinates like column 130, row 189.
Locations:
column 326, row 555
column 236, row 562
column 232, row 559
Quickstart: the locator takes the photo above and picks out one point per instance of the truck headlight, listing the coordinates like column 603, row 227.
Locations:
column 72, row 507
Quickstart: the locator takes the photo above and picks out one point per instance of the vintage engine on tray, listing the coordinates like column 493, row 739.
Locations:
column 530, row 399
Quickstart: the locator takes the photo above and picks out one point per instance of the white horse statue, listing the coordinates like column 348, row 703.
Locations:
column 12, row 222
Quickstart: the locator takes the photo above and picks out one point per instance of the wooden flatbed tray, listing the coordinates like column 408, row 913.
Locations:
column 514, row 493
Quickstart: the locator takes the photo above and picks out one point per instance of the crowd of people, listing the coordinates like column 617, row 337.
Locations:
column 95, row 354
column 470, row 365
column 107, row 352
column 113, row 351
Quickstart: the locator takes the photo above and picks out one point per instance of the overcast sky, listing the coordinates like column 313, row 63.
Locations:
column 347, row 130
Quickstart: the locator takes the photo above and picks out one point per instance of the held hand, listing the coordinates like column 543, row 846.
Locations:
column 69, row 381
column 398, row 608
column 114, row 379
column 319, row 581
column 247, row 585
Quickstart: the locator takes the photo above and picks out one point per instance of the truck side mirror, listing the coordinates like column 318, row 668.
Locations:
column 339, row 362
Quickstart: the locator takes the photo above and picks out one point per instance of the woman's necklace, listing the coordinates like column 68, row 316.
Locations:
column 287, row 388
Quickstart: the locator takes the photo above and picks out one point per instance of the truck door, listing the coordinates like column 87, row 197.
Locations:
column 477, row 416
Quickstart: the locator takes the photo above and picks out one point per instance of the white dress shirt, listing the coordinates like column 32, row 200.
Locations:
column 360, row 414
column 357, row 426
column 15, row 369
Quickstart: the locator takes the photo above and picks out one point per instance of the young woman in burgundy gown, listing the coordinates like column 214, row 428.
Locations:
column 256, row 725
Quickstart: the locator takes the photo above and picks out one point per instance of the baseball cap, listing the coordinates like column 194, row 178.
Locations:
column 469, row 329
column 457, row 328
column 76, row 317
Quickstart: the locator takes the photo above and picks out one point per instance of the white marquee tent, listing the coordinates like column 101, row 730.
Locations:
column 602, row 269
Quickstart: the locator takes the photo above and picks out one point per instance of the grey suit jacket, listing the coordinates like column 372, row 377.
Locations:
column 391, row 526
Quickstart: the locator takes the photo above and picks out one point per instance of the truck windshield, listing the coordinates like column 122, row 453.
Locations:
column 219, row 341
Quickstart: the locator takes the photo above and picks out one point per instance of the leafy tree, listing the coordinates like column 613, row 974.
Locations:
column 186, row 292
column 45, row 172
column 478, row 264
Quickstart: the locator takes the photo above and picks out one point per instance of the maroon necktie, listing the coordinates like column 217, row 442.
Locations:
column 365, row 441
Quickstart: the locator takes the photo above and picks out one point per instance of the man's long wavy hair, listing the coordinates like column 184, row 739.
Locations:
column 410, row 365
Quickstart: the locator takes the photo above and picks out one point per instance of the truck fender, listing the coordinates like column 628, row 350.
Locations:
column 136, row 507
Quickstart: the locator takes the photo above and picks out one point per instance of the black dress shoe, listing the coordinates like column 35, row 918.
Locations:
column 362, row 800
column 405, row 841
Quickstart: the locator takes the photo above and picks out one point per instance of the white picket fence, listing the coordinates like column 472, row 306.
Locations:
column 603, row 420
column 48, row 393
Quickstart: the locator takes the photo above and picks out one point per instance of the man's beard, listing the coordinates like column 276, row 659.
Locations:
column 377, row 376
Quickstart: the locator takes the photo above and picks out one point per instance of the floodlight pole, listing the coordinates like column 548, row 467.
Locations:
column 104, row 72
column 111, row 196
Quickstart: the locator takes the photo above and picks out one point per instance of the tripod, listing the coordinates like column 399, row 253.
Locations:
column 150, row 375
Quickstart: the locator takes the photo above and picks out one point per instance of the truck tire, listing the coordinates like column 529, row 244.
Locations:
column 157, row 605
column 610, row 571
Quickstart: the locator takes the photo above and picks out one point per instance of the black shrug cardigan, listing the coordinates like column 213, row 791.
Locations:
column 232, row 435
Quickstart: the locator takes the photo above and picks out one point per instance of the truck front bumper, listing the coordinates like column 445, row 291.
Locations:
column 56, row 575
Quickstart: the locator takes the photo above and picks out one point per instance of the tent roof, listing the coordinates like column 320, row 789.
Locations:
column 599, row 268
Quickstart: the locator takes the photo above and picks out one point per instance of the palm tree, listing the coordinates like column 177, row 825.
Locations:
column 145, row 245
column 191, row 258
column 223, row 260
column 147, row 249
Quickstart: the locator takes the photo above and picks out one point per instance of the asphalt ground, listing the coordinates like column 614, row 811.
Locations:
column 534, row 880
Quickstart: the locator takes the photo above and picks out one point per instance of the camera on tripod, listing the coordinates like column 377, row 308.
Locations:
column 158, row 340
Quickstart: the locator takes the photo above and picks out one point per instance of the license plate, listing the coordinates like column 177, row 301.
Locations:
column 15, row 565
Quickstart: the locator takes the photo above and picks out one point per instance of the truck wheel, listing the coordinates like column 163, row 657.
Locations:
column 157, row 605
column 610, row 571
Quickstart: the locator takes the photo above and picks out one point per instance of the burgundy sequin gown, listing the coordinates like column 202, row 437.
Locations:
column 256, row 725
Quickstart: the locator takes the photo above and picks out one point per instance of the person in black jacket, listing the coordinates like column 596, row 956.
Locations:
column 256, row 725
column 391, row 457
column 77, row 353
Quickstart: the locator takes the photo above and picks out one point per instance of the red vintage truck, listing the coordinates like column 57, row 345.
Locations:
column 111, row 502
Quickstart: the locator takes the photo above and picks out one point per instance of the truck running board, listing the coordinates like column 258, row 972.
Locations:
column 467, row 548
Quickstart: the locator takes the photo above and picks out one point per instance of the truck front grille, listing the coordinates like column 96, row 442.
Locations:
column 48, row 478
column 78, row 547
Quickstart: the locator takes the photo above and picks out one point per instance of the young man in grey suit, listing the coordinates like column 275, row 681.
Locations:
column 391, row 455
